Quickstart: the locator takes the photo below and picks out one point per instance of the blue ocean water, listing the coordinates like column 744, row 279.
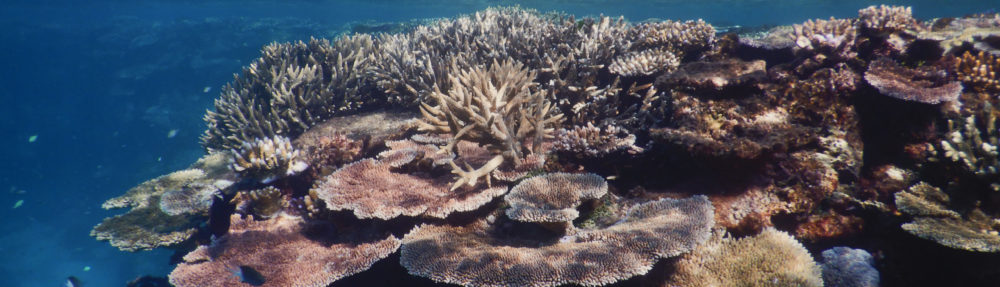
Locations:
column 100, row 96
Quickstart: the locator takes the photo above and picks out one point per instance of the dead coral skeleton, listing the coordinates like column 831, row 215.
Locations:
column 498, row 107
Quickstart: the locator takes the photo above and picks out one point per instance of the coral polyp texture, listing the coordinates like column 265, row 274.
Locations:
column 514, row 147
column 553, row 197
column 473, row 255
column 771, row 258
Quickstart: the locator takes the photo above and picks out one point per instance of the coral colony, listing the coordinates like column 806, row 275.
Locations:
column 517, row 148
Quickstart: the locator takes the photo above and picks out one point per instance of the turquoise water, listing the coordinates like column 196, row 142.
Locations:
column 101, row 96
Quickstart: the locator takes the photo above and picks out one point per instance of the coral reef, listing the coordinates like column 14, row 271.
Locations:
column 472, row 255
column 625, row 143
column 280, row 253
column 168, row 209
column 849, row 267
column 771, row 258
column 922, row 85
column 553, row 197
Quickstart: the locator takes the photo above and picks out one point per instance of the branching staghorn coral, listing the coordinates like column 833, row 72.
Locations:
column 292, row 87
column 499, row 107
column 681, row 38
column 832, row 38
column 644, row 63
column 267, row 159
column 595, row 142
column 885, row 19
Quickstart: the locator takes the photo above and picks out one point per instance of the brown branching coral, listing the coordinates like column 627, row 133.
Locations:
column 168, row 209
column 885, row 19
column 925, row 84
column 498, row 107
column 281, row 254
column 473, row 255
column 292, row 87
column 933, row 220
column 595, row 142
column 553, row 197
column 371, row 189
column 267, row 159
column 979, row 72
column 771, row 258
column 644, row 63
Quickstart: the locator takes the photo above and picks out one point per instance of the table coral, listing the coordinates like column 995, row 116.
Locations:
column 553, row 197
column 473, row 255
column 281, row 252
column 168, row 209
column 926, row 84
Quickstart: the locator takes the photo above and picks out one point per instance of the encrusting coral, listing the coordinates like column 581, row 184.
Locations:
column 553, row 197
column 925, row 85
column 849, row 267
column 473, row 255
column 498, row 107
column 771, row 258
column 280, row 253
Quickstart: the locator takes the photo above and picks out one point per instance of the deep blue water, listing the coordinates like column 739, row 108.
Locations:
column 99, row 86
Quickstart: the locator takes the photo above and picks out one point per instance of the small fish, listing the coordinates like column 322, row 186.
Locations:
column 206, row 89
column 248, row 275
column 18, row 204
column 172, row 133
column 32, row 138
column 72, row 281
